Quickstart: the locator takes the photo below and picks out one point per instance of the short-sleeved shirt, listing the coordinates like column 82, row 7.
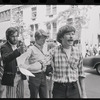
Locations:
column 64, row 69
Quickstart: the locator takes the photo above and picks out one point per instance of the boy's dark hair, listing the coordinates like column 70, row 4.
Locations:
column 63, row 30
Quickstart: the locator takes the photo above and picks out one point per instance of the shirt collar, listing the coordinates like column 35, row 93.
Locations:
column 62, row 49
column 12, row 45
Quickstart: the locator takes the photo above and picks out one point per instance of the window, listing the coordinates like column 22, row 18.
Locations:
column 8, row 14
column 32, row 27
column 17, row 16
column 54, row 27
column 34, row 13
column 48, row 9
column 51, row 10
column 48, row 26
column 54, row 9
column 5, row 15
column 70, row 21
column 2, row 16
column 21, row 16
column 36, row 26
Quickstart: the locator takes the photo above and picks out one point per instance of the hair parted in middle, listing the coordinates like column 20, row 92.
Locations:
column 63, row 30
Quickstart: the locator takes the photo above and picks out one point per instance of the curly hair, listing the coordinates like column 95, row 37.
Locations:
column 63, row 30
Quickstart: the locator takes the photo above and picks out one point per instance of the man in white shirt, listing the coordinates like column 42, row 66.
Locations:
column 36, row 60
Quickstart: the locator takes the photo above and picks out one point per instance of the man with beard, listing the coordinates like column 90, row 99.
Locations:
column 67, row 62
column 12, row 78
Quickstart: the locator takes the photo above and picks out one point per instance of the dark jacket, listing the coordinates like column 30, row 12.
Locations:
column 10, row 64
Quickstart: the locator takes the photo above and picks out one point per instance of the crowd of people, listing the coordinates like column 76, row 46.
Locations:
column 92, row 50
column 61, row 66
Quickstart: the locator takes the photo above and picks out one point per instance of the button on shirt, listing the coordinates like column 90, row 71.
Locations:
column 66, row 70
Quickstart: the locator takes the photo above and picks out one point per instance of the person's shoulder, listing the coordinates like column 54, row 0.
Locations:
column 4, row 45
column 33, row 48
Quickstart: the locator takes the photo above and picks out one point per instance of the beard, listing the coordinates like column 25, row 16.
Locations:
column 13, row 42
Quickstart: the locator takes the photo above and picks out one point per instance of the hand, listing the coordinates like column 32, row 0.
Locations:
column 23, row 66
column 44, row 68
column 50, row 73
column 22, row 49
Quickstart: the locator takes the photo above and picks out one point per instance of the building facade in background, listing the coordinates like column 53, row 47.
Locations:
column 28, row 18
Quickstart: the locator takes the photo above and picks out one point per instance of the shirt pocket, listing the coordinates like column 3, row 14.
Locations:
column 74, row 62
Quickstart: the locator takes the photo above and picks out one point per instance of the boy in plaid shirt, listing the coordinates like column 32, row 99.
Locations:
column 67, row 62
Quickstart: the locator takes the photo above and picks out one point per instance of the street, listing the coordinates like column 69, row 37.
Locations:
column 92, row 84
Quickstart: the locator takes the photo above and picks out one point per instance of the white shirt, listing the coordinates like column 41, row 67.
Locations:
column 13, row 46
column 37, row 56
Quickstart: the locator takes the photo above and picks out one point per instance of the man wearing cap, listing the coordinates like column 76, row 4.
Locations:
column 36, row 59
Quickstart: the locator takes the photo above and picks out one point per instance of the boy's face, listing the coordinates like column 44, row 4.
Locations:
column 68, row 38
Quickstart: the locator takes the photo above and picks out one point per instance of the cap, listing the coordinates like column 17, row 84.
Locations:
column 43, row 32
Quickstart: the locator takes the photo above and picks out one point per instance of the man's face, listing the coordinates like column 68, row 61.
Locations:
column 13, row 39
column 42, row 39
column 68, row 38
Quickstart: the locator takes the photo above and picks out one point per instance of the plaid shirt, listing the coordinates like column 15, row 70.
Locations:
column 66, row 70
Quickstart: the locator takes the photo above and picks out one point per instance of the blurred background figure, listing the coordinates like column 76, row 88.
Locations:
column 51, row 43
column 95, row 50
column 75, row 44
column 99, row 49
column 89, row 50
column 1, row 73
